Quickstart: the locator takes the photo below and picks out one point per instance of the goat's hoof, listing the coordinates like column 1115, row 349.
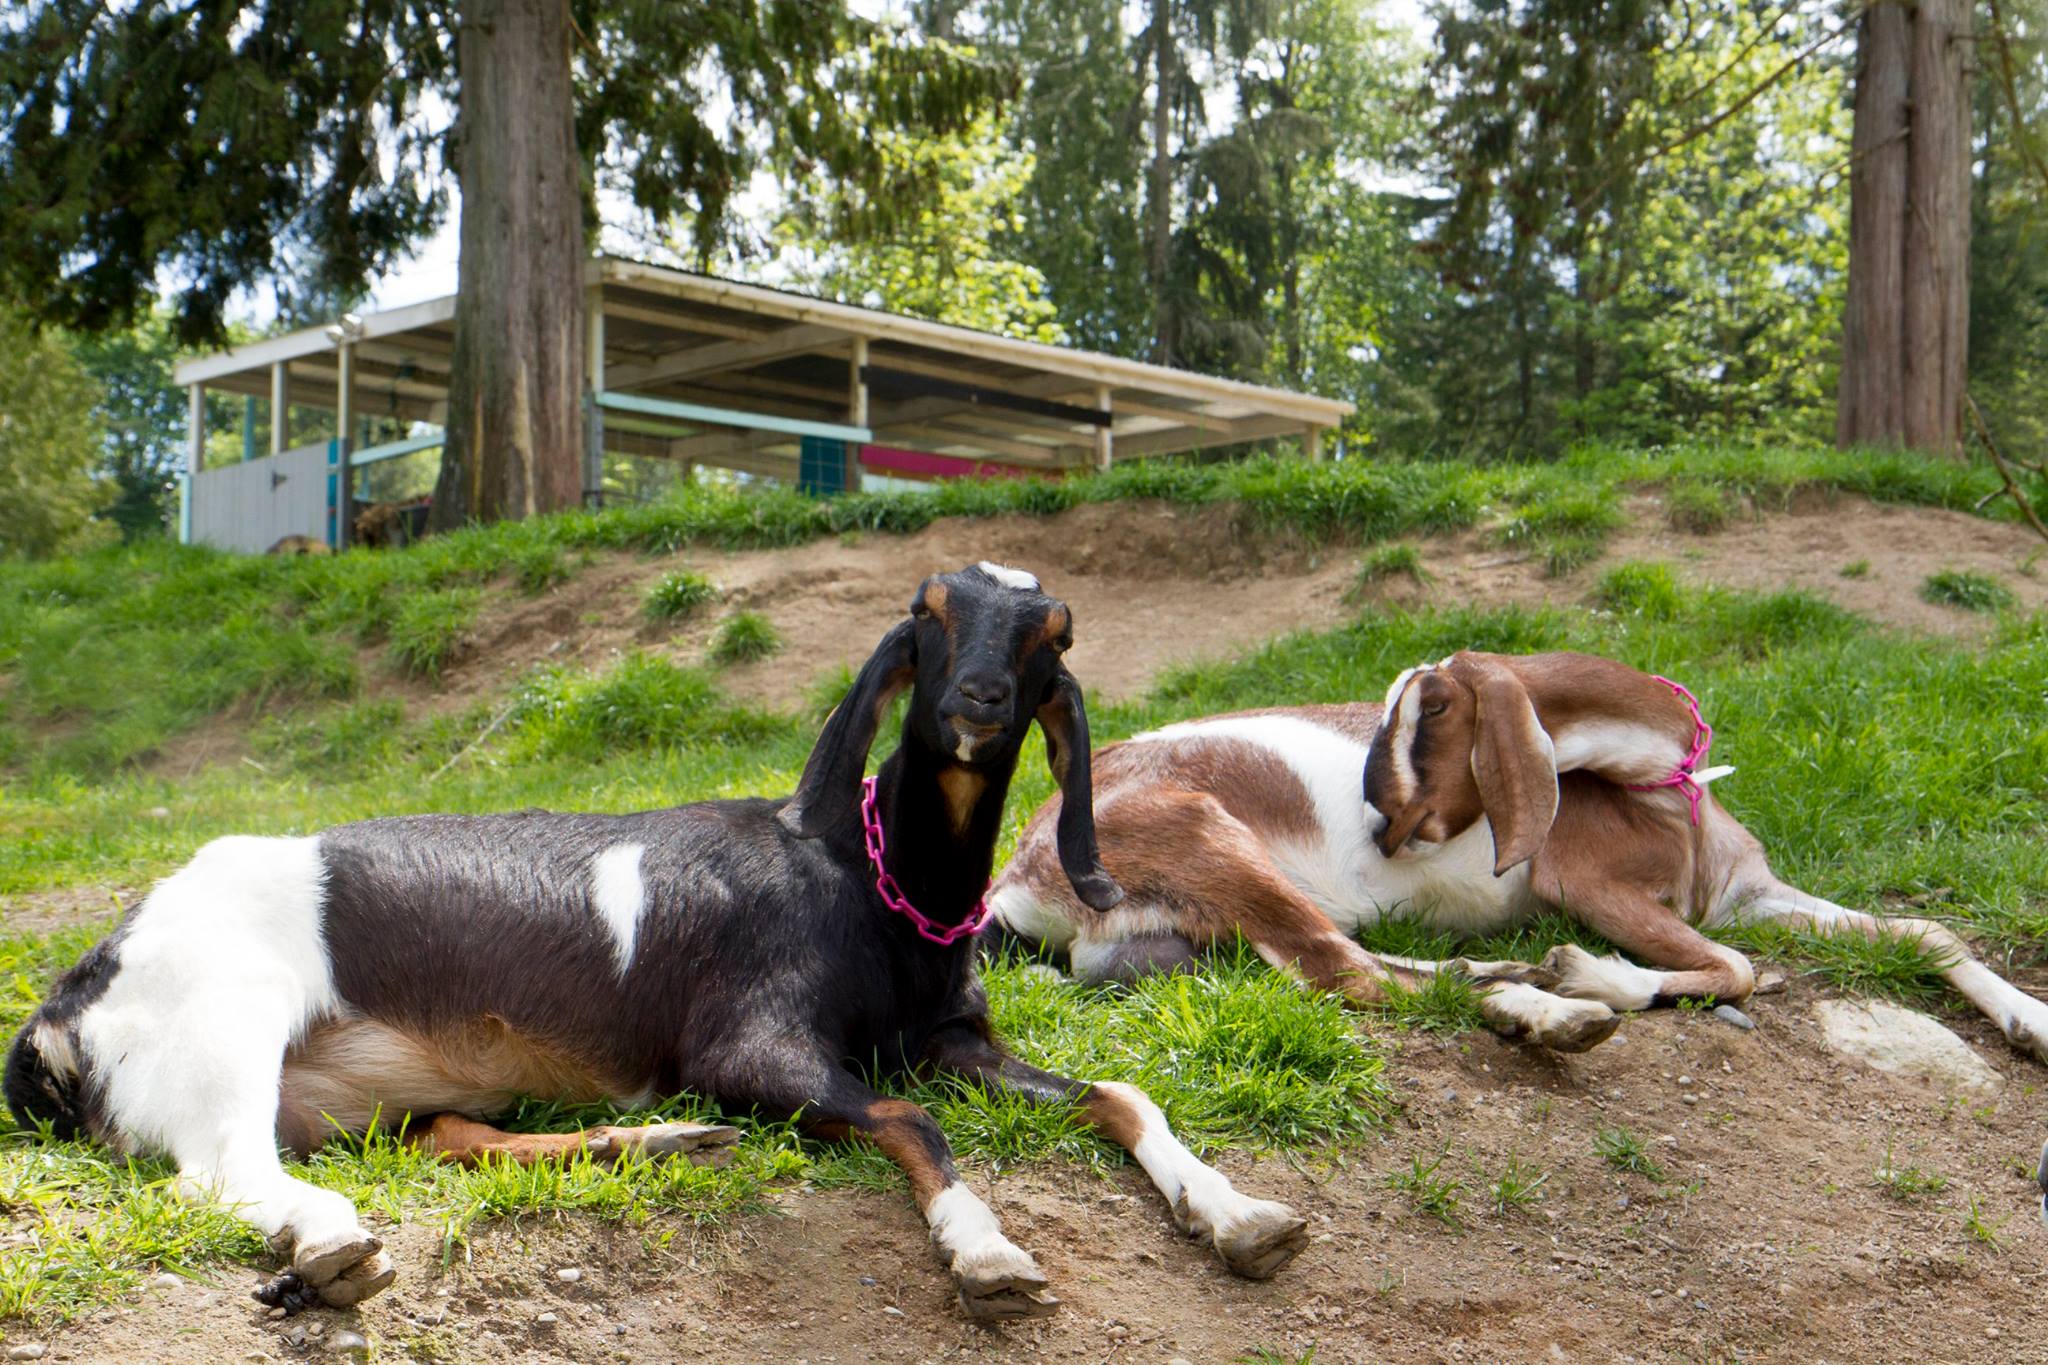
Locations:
column 1261, row 1240
column 371, row 1275
column 705, row 1144
column 999, row 1288
column 287, row 1291
column 317, row 1263
column 1581, row 1028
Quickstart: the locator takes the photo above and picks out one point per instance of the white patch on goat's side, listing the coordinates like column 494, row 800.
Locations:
column 619, row 897
column 220, row 969
column 1009, row 577
column 1017, row 908
column 1450, row 885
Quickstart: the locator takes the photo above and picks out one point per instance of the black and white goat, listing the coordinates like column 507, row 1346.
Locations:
column 276, row 988
column 1485, row 788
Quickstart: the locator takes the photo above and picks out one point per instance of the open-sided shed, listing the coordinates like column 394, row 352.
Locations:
column 700, row 370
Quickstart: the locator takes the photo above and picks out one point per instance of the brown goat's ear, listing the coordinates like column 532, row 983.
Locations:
column 1514, row 763
column 830, row 789
column 1065, row 722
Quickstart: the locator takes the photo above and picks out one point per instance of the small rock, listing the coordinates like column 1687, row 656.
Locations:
column 349, row 1343
column 433, row 1319
column 1728, row 1014
column 32, row 1351
column 1903, row 1042
column 619, row 1329
column 1179, row 1360
column 1688, row 1098
column 1621, row 1203
column 868, row 1280
column 1450, row 1097
column 167, row 1281
column 295, row 1336
column 1685, row 1080
column 568, row 1274
column 1770, row 983
column 276, row 1313
column 547, row 1319
column 893, row 1311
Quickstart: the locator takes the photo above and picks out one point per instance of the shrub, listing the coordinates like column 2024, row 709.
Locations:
column 745, row 636
column 1967, row 589
column 536, row 568
column 678, row 594
column 1697, row 507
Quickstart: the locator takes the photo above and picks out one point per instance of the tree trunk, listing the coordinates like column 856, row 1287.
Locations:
column 515, row 426
column 1905, row 329
column 1159, row 197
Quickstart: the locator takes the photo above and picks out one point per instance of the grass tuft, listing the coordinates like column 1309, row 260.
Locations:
column 1429, row 1191
column 678, row 594
column 1966, row 588
column 536, row 568
column 1387, row 561
column 1700, row 508
column 428, row 628
column 1907, row 1183
column 1624, row 1151
column 743, row 637
column 1519, row 1186
column 1650, row 590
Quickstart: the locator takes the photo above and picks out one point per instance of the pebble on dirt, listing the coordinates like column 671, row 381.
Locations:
column 349, row 1343
column 568, row 1274
column 32, row 1351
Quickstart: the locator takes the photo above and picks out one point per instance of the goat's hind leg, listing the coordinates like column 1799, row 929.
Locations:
column 2019, row 1016
column 455, row 1138
column 1255, row 1237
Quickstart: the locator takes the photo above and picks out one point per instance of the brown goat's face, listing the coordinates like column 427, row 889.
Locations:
column 1460, row 740
column 988, row 656
column 1418, row 772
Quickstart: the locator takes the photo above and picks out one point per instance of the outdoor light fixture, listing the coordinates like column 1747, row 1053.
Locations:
column 350, row 328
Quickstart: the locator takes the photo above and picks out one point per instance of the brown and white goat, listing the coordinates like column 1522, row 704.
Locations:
column 1493, row 786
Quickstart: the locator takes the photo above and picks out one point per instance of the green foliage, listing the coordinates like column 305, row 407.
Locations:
column 1384, row 562
column 142, row 412
column 1967, row 589
column 1624, row 1151
column 428, row 628
column 1431, row 1192
column 743, row 637
column 1565, row 529
column 536, row 568
column 1907, row 1183
column 1696, row 507
column 49, row 443
column 1647, row 589
column 1519, row 1186
column 643, row 702
column 678, row 594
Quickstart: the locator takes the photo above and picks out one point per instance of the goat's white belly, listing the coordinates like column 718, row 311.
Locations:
column 1450, row 887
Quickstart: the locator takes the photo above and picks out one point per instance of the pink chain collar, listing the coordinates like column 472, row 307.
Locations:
column 892, row 894
column 1682, row 776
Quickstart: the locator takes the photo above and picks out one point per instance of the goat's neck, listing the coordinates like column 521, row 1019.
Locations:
column 940, row 820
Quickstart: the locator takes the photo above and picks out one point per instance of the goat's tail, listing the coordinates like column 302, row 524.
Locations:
column 42, row 1091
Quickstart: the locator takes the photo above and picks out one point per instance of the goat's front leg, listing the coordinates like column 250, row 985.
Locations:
column 996, row 1278
column 1255, row 1237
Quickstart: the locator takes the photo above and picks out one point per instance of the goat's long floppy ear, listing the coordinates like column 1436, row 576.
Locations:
column 1514, row 763
column 830, row 788
column 1065, row 722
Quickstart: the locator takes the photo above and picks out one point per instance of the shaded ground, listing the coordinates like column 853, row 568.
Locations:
column 1767, row 1240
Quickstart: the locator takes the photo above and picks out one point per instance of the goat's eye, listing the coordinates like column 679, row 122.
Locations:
column 1435, row 708
column 1063, row 644
column 921, row 612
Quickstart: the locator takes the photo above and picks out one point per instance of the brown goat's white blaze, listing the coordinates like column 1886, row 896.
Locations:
column 1494, row 786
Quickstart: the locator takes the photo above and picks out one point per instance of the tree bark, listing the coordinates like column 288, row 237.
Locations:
column 514, row 427
column 1159, row 197
column 1905, row 327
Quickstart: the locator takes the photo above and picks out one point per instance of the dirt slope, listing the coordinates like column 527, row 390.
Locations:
column 1153, row 585
column 1767, row 1241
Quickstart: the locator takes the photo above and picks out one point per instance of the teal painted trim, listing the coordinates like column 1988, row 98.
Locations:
column 729, row 417
column 184, row 509
column 391, row 450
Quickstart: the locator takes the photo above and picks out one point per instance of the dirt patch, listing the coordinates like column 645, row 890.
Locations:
column 47, row 911
column 1768, row 1239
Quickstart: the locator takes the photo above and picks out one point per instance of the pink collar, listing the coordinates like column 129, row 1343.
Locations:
column 1683, row 775
column 892, row 894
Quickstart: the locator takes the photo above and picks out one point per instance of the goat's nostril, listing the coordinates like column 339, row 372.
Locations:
column 989, row 691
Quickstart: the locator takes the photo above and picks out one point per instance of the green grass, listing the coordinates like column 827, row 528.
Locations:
column 678, row 594
column 1626, row 1152
column 1967, row 589
column 1429, row 1191
column 1908, row 1183
column 743, row 637
column 428, row 628
column 1384, row 562
column 1700, row 508
column 1519, row 1186
column 108, row 655
column 1644, row 589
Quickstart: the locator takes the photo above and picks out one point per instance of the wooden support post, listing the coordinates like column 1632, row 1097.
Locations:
column 344, row 439
column 1312, row 444
column 280, row 407
column 593, row 385
column 1105, row 439
column 856, row 407
column 195, row 456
